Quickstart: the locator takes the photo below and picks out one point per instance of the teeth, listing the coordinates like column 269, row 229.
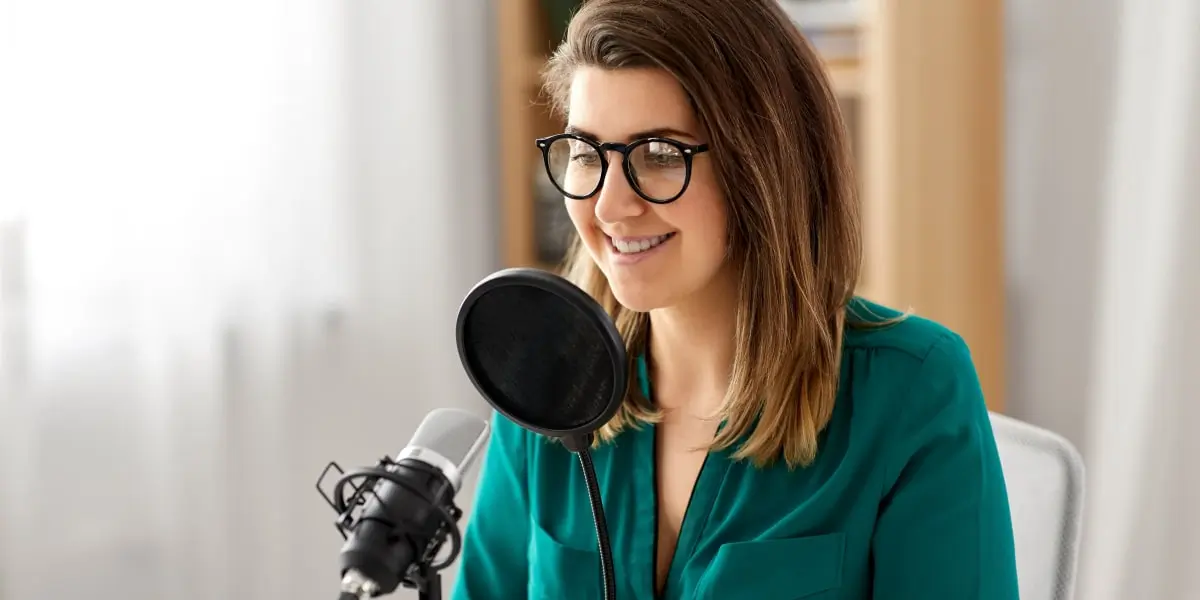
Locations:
column 635, row 247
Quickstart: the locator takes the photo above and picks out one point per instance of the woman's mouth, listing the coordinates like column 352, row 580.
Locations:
column 633, row 249
column 638, row 245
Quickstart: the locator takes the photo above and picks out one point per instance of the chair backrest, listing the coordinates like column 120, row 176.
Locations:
column 1044, row 476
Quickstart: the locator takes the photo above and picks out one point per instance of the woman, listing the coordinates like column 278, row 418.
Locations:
column 783, row 439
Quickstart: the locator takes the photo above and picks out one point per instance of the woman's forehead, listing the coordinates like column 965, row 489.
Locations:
column 624, row 104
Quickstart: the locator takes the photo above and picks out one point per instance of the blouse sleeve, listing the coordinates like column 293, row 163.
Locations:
column 494, row 562
column 944, row 529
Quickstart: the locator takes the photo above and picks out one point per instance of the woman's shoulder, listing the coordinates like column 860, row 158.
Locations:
column 895, row 334
column 907, row 366
column 904, row 339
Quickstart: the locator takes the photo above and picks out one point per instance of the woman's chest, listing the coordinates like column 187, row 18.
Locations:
column 678, row 465
column 739, row 532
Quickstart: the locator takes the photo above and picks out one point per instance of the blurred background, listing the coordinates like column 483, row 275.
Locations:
column 234, row 237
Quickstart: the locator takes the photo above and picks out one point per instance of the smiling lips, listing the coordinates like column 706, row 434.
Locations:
column 630, row 245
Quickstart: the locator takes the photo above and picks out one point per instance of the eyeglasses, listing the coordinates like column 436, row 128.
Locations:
column 658, row 169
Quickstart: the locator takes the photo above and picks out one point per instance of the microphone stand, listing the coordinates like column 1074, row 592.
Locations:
column 579, row 444
column 426, row 581
column 431, row 589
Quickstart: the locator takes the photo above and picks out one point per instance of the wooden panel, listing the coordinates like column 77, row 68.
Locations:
column 845, row 78
column 934, row 193
column 514, row 21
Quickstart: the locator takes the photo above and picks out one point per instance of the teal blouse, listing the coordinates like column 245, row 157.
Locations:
column 906, row 499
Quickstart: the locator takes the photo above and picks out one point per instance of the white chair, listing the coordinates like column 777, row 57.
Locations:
column 1044, row 476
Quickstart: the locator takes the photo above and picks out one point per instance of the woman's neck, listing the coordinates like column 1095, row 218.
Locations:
column 691, row 349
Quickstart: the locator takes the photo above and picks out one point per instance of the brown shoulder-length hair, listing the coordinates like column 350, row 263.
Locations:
column 784, row 164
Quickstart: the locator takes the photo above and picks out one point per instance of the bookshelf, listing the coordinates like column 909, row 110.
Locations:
column 921, row 89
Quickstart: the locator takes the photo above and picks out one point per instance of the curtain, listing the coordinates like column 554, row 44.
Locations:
column 1104, row 203
column 233, row 239
column 1143, row 537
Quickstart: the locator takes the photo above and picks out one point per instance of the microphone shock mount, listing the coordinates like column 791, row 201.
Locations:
column 423, row 573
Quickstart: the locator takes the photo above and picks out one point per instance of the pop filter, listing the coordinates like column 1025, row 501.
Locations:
column 547, row 356
column 543, row 353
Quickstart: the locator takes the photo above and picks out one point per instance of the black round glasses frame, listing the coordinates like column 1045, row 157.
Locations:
column 689, row 151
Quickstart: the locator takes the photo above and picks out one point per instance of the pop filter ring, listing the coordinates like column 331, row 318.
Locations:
column 577, row 438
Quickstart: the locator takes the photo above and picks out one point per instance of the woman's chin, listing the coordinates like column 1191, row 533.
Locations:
column 638, row 298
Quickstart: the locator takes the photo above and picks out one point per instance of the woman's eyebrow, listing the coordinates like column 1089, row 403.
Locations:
column 648, row 133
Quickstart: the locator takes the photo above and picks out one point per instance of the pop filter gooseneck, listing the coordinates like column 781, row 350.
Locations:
column 547, row 356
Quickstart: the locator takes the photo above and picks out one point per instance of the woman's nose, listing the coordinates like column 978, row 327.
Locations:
column 616, row 200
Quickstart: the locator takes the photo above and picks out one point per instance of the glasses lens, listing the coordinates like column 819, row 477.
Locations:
column 658, row 168
column 575, row 166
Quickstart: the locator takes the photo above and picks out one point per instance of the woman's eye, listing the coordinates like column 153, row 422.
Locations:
column 665, row 160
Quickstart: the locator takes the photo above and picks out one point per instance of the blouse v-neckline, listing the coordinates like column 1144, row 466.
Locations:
column 695, row 517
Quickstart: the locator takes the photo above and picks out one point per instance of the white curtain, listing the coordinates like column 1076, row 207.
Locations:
column 1143, row 531
column 233, row 238
column 173, row 191
column 1104, row 199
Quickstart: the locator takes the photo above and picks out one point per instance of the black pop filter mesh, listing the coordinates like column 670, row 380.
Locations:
column 542, row 352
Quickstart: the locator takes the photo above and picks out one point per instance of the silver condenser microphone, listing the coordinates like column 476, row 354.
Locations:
column 398, row 514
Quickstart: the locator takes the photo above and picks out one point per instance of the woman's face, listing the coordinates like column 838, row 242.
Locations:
column 654, row 255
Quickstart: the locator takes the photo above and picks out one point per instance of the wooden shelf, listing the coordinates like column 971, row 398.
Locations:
column 533, row 72
column 846, row 78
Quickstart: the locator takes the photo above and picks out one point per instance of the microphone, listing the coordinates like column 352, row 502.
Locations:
column 546, row 355
column 400, row 512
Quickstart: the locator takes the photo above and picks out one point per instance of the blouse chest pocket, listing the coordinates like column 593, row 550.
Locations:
column 784, row 569
column 560, row 572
